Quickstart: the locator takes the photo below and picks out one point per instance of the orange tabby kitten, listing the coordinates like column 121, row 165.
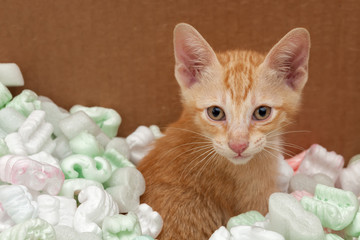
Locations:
column 220, row 158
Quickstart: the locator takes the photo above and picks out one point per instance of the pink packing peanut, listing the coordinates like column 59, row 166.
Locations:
column 300, row 194
column 295, row 161
column 318, row 160
column 37, row 176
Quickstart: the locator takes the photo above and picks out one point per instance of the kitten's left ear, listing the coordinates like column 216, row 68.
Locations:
column 290, row 57
column 193, row 56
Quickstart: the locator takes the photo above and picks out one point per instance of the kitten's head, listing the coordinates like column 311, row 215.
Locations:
column 240, row 98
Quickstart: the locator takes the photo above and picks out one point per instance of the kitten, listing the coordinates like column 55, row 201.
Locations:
column 220, row 158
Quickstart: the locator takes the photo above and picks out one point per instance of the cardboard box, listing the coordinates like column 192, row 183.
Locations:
column 119, row 54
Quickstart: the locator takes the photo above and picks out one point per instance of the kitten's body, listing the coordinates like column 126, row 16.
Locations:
column 194, row 195
column 190, row 174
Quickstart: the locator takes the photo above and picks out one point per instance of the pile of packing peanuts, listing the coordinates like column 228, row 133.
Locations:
column 65, row 175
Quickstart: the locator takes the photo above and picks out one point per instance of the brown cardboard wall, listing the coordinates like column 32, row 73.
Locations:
column 118, row 54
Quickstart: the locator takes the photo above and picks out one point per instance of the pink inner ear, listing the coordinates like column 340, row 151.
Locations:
column 193, row 55
column 293, row 78
column 291, row 61
column 289, row 57
column 191, row 60
column 187, row 77
column 297, row 68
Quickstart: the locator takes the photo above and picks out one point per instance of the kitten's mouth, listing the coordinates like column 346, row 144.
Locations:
column 240, row 159
column 239, row 156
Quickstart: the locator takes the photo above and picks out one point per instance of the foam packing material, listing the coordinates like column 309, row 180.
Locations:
column 122, row 227
column 245, row 233
column 26, row 102
column 318, row 160
column 312, row 208
column 107, row 119
column 5, row 95
column 38, row 141
column 25, row 171
column 10, row 120
column 139, row 143
column 10, row 75
column 31, row 229
column 349, row 177
column 96, row 204
column 126, row 185
column 245, row 219
column 150, row 221
column 82, row 166
column 56, row 210
column 288, row 218
column 68, row 233
column 335, row 208
column 18, row 203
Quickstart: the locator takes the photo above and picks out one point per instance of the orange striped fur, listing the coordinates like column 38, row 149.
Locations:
column 193, row 177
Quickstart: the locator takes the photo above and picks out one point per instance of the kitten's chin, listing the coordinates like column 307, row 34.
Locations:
column 240, row 160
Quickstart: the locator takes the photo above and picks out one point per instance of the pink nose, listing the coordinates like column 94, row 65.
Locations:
column 238, row 147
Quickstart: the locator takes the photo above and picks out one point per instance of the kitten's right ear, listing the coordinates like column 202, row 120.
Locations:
column 193, row 55
column 290, row 57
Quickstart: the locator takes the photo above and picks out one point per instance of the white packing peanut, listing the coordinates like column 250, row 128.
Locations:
column 10, row 120
column 72, row 187
column 31, row 229
column 68, row 233
column 285, row 172
column 66, row 211
column 44, row 157
column 140, row 143
column 3, row 134
column 125, row 198
column 15, row 144
column 54, row 114
column 49, row 146
column 150, row 221
column 253, row 233
column 318, row 160
column 103, row 139
column 49, row 208
column 39, row 138
column 10, row 75
column 156, row 131
column 31, row 124
column 5, row 221
column 76, row 123
column 96, row 204
column 106, row 118
column 221, row 234
column 349, row 178
column 56, row 210
column 120, row 145
column 62, row 148
column 18, row 203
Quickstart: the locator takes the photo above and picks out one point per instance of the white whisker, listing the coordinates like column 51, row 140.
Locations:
column 193, row 160
column 270, row 153
column 207, row 143
column 288, row 132
column 279, row 150
column 277, row 129
column 203, row 168
column 188, row 130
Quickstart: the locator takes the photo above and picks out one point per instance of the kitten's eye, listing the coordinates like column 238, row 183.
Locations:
column 216, row 113
column 262, row 113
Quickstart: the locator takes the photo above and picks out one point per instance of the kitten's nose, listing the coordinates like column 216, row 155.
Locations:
column 238, row 147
